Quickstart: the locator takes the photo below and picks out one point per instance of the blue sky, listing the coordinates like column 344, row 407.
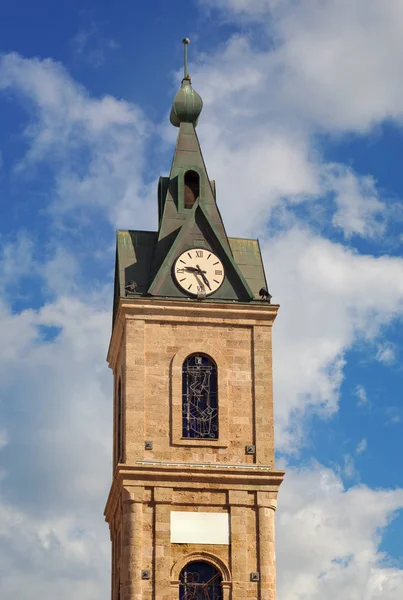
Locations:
column 302, row 130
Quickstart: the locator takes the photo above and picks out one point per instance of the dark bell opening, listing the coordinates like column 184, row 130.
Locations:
column 192, row 188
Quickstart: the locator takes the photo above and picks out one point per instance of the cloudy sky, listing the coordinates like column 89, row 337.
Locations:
column 302, row 130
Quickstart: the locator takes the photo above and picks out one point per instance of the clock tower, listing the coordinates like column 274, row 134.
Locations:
column 194, row 489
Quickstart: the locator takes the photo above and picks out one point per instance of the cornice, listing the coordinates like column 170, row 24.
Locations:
column 171, row 474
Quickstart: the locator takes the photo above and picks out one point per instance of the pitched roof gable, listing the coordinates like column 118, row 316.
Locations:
column 200, row 231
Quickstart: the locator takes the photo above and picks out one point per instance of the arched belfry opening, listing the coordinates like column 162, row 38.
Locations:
column 191, row 188
column 200, row 580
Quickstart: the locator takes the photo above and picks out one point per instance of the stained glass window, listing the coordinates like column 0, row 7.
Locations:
column 199, row 397
column 200, row 581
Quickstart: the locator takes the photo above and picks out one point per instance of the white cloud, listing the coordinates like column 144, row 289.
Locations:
column 335, row 64
column 63, row 557
column 361, row 446
column 55, row 410
column 249, row 6
column 3, row 438
column 394, row 415
column 325, row 292
column 16, row 259
column 328, row 538
column 91, row 45
column 326, row 68
column 361, row 393
column 60, row 272
column 359, row 210
column 95, row 147
column 346, row 68
column 273, row 149
column 349, row 470
column 263, row 177
column 246, row 8
column 65, row 386
column 386, row 353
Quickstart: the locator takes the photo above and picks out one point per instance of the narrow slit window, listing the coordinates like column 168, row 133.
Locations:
column 119, row 436
column 199, row 397
column 191, row 188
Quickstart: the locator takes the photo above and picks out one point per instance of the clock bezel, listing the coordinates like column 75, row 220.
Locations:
column 182, row 288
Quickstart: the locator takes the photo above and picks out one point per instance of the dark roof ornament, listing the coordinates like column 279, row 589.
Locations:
column 265, row 295
column 187, row 104
column 131, row 288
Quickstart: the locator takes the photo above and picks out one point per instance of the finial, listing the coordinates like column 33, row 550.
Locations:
column 187, row 104
column 186, row 42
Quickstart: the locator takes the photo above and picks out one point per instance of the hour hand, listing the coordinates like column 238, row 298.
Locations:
column 194, row 270
column 203, row 276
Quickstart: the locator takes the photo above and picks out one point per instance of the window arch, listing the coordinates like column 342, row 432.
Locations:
column 191, row 188
column 199, row 397
column 200, row 580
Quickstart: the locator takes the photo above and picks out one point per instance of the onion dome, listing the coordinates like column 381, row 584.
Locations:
column 187, row 104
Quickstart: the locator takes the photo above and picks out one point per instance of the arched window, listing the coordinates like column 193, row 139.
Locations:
column 119, row 428
column 191, row 188
column 199, row 397
column 200, row 581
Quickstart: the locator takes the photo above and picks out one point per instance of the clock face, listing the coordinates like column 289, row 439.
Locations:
column 199, row 271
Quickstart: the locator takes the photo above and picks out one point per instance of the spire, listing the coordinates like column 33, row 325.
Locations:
column 185, row 42
column 187, row 104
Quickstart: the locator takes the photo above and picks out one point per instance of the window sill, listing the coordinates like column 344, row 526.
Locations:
column 201, row 442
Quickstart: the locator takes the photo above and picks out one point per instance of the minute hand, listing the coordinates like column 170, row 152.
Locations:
column 203, row 276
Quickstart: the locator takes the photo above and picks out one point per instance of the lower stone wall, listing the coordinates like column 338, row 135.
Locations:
column 145, row 529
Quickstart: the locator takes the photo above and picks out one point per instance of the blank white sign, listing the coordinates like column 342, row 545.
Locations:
column 199, row 528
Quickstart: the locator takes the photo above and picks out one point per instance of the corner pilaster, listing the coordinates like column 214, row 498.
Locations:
column 162, row 547
column 267, row 554
column 132, row 544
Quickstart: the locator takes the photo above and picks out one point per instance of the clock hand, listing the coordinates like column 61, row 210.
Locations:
column 194, row 270
column 203, row 276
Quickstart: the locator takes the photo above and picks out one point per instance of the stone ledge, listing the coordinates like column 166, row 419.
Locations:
column 209, row 476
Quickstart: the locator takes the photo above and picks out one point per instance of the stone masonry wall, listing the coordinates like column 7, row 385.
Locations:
column 150, row 358
column 153, row 391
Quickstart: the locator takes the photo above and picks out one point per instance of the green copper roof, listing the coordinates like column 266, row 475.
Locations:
column 187, row 156
column 248, row 257
column 187, row 104
column 134, row 251
column 145, row 259
column 134, row 254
